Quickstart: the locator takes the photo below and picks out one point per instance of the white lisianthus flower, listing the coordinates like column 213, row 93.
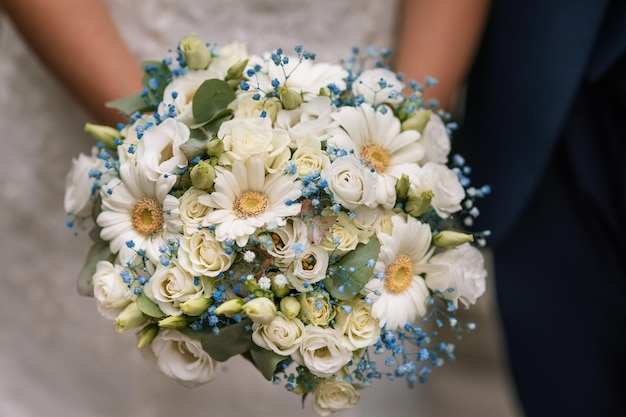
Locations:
column 377, row 139
column 127, row 151
column 378, row 86
column 443, row 182
column 462, row 270
column 322, row 351
column 245, row 199
column 158, row 151
column 245, row 106
column 260, row 310
column 331, row 396
column 400, row 296
column 138, row 211
column 191, row 211
column 182, row 358
column 170, row 286
column 283, row 238
column 178, row 95
column 342, row 237
column 202, row 255
column 310, row 119
column 309, row 156
column 351, row 183
column 254, row 137
column 354, row 319
column 308, row 268
column 109, row 289
column 436, row 141
column 227, row 56
column 315, row 309
column 282, row 335
column 80, row 183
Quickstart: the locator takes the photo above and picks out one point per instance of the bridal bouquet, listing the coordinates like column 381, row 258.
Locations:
column 304, row 215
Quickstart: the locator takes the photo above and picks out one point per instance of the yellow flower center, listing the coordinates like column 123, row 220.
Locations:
column 308, row 263
column 147, row 216
column 250, row 204
column 375, row 156
column 399, row 274
column 277, row 241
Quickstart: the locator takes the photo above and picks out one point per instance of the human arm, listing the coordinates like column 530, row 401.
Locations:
column 439, row 38
column 78, row 42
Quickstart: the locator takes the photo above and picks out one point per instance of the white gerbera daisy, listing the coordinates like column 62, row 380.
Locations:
column 138, row 210
column 246, row 199
column 400, row 296
column 376, row 138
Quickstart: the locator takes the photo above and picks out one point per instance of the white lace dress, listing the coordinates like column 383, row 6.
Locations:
column 58, row 357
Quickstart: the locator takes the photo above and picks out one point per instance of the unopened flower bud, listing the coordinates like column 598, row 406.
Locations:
column 173, row 322
column 418, row 205
column 203, row 175
column 235, row 72
column 418, row 121
column 261, row 310
column 130, row 318
column 147, row 335
column 215, row 147
column 448, row 239
column 290, row 307
column 105, row 134
column 229, row 307
column 402, row 187
column 195, row 306
column 289, row 98
column 195, row 52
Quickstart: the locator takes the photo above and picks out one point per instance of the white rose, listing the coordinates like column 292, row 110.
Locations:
column 254, row 137
column 315, row 309
column 246, row 107
column 310, row 119
column 191, row 210
column 201, row 254
column 443, row 182
column 351, row 183
column 309, row 156
column 79, row 184
column 463, row 271
column 227, row 56
column 342, row 237
column 379, row 86
column 309, row 267
column 110, row 290
column 282, row 335
column 159, row 149
column 354, row 319
column 182, row 358
column 170, row 286
column 178, row 95
column 331, row 396
column 436, row 141
column 322, row 351
column 283, row 238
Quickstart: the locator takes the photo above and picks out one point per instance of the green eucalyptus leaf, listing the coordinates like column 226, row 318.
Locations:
column 265, row 360
column 194, row 147
column 149, row 308
column 231, row 340
column 343, row 283
column 211, row 100
column 99, row 251
column 131, row 104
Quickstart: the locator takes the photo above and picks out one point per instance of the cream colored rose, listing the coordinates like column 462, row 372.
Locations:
column 282, row 335
column 227, row 56
column 159, row 149
column 351, row 183
column 322, row 351
column 309, row 157
column 201, row 254
column 331, row 396
column 109, row 289
column 191, row 210
column 354, row 319
column 342, row 237
column 245, row 106
column 182, row 358
column 283, row 239
column 308, row 268
column 254, row 137
column 385, row 224
column 171, row 285
column 315, row 309
column 378, row 86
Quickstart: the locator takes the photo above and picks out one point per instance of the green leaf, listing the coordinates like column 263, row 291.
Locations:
column 194, row 147
column 131, row 104
column 344, row 284
column 147, row 307
column 211, row 101
column 99, row 251
column 265, row 361
column 232, row 340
